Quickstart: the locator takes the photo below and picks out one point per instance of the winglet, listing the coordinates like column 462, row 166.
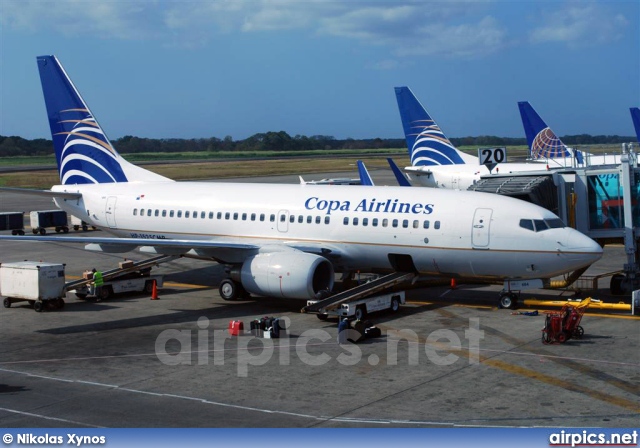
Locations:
column 635, row 116
column 402, row 180
column 365, row 178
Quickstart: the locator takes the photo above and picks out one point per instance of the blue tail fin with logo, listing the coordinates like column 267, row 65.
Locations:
column 426, row 142
column 543, row 142
column 83, row 152
column 365, row 177
column 635, row 116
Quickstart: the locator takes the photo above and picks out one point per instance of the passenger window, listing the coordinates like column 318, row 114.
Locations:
column 436, row 225
column 179, row 214
column 327, row 219
column 253, row 216
column 227, row 215
column 202, row 215
column 365, row 221
column 135, row 212
column 394, row 223
column 261, row 216
column 405, row 223
column 186, row 214
column 283, row 218
column 309, row 219
column 374, row 222
column 149, row 211
column 157, row 213
column 292, row 219
column 355, row 221
column 527, row 224
column 195, row 214
column 300, row 219
column 425, row 224
column 318, row 220
column 210, row 215
column 219, row 215
column 164, row 213
column 385, row 222
column 416, row 224
column 244, row 216
column 272, row 218
column 141, row 212
column 235, row 216
column 171, row 214
column 345, row 221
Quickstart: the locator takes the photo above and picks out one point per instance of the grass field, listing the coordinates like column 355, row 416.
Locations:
column 208, row 167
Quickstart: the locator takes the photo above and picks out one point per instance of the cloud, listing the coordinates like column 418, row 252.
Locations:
column 578, row 25
column 406, row 28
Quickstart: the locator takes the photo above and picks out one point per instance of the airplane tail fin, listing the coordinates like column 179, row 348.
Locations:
column 426, row 142
column 543, row 142
column 402, row 180
column 83, row 152
column 365, row 177
column 635, row 116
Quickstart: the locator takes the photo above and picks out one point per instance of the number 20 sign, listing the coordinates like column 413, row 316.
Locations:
column 492, row 156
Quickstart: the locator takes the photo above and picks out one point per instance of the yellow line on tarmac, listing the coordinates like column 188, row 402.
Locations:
column 187, row 285
column 416, row 302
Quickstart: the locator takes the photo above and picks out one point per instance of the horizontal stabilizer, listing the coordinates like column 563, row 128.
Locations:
column 43, row 193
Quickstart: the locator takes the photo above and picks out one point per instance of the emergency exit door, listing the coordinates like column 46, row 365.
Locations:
column 481, row 228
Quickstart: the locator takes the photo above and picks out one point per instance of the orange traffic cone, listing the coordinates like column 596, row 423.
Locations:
column 154, row 291
column 453, row 283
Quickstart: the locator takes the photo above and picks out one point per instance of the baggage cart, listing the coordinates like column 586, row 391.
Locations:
column 43, row 219
column 41, row 284
column 565, row 324
column 13, row 221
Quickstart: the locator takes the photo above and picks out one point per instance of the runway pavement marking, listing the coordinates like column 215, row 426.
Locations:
column 30, row 414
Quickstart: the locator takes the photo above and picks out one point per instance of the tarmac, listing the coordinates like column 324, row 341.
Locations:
column 448, row 358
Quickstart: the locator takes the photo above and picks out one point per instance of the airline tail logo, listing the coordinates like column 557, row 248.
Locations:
column 426, row 142
column 430, row 146
column 86, row 156
column 83, row 151
column 635, row 116
column 547, row 145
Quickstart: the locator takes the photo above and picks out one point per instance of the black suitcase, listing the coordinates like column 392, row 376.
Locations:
column 372, row 332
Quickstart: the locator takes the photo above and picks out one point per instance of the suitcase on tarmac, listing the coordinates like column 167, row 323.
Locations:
column 372, row 332
column 254, row 326
column 266, row 322
column 236, row 327
column 275, row 328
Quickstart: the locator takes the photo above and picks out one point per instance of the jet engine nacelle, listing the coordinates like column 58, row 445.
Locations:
column 294, row 275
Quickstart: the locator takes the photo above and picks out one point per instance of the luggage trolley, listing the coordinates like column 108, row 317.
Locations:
column 565, row 324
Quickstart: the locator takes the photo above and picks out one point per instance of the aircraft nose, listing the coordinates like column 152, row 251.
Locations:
column 580, row 243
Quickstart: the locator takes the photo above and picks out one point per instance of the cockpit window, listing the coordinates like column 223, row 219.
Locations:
column 526, row 224
column 539, row 225
column 554, row 223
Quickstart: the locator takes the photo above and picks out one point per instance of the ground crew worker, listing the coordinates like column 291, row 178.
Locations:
column 98, row 282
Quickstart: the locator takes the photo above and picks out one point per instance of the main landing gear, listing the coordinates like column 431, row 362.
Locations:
column 232, row 290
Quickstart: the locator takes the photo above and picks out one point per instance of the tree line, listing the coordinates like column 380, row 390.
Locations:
column 276, row 141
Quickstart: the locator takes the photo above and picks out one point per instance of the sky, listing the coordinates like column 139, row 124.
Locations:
column 200, row 69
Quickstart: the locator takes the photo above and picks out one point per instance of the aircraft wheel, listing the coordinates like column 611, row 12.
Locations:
column 616, row 285
column 508, row 300
column 229, row 289
column 395, row 305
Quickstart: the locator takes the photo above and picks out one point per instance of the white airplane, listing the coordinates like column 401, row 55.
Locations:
column 288, row 240
column 436, row 162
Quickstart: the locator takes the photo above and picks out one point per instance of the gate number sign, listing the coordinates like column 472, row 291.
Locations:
column 492, row 156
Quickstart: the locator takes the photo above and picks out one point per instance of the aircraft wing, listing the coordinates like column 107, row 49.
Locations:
column 43, row 193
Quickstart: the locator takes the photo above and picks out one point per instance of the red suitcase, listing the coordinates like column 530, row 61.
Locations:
column 236, row 327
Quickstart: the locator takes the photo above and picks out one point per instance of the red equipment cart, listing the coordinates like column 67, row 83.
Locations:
column 565, row 324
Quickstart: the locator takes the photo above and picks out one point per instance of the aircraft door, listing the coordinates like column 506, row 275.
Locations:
column 481, row 227
column 110, row 211
column 283, row 220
